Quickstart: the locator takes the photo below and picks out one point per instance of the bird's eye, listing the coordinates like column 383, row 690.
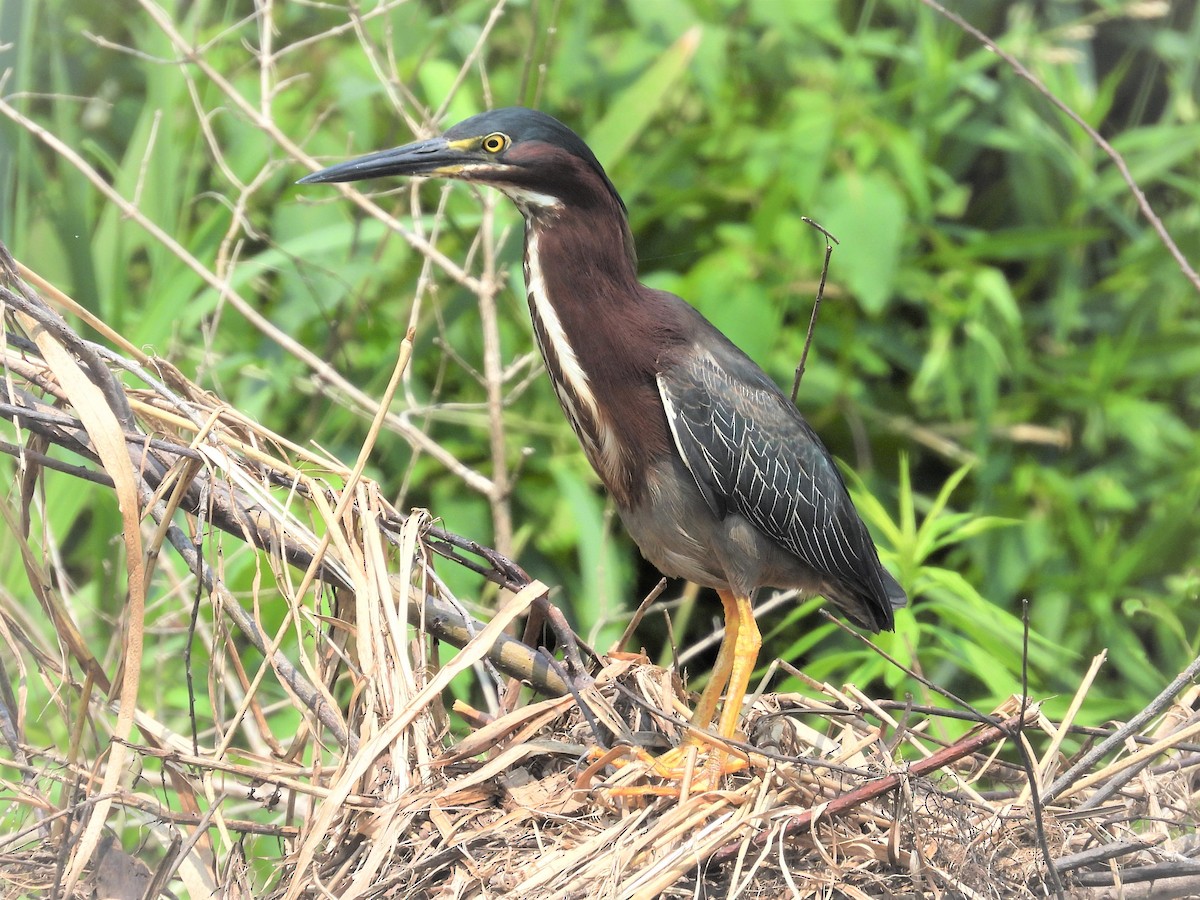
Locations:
column 494, row 143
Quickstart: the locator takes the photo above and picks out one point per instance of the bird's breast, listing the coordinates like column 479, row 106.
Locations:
column 600, row 358
column 573, row 385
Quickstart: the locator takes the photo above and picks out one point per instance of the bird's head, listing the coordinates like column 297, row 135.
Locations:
column 536, row 160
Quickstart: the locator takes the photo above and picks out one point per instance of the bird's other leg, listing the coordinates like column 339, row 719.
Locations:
column 746, row 641
column 740, row 649
column 731, row 672
column 706, row 708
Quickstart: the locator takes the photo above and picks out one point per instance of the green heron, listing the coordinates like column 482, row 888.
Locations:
column 715, row 474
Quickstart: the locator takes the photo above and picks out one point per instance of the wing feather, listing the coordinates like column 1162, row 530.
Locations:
column 750, row 451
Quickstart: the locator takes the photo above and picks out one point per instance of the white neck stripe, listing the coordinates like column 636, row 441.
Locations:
column 556, row 335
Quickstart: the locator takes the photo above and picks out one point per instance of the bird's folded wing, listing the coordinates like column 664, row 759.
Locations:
column 751, row 452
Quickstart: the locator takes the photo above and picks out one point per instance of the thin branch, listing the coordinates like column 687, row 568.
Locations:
column 1118, row 737
column 830, row 240
column 1135, row 189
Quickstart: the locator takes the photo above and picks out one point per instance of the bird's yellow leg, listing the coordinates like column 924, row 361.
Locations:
column 731, row 672
column 746, row 643
column 706, row 709
column 700, row 760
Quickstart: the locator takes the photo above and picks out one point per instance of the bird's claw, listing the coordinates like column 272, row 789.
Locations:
column 697, row 766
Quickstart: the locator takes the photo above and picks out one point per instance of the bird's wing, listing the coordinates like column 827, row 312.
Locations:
column 750, row 451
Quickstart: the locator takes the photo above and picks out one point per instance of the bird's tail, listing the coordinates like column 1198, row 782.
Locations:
column 891, row 587
column 866, row 606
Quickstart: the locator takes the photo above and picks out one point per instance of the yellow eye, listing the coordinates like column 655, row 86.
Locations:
column 495, row 142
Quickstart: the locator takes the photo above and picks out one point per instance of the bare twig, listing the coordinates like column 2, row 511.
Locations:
column 1111, row 152
column 1117, row 738
column 830, row 240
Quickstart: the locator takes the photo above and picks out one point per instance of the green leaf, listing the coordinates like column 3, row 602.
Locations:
column 632, row 109
column 867, row 214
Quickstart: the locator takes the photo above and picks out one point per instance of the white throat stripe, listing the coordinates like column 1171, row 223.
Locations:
column 556, row 335
column 527, row 199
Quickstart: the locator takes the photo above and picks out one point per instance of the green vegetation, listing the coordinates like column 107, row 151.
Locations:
column 1007, row 357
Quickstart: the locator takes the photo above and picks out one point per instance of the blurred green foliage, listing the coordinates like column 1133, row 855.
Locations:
column 1007, row 356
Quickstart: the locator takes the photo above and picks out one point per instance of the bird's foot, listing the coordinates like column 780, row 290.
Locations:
column 699, row 765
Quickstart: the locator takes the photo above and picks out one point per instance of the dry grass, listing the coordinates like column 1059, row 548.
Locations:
column 332, row 766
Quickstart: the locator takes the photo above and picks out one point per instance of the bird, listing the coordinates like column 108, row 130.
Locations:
column 714, row 472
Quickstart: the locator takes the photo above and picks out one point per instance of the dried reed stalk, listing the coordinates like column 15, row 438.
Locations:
column 367, row 789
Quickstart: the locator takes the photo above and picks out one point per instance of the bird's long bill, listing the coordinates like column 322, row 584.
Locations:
column 436, row 156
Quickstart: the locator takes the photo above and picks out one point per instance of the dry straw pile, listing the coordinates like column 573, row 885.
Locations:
column 319, row 758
